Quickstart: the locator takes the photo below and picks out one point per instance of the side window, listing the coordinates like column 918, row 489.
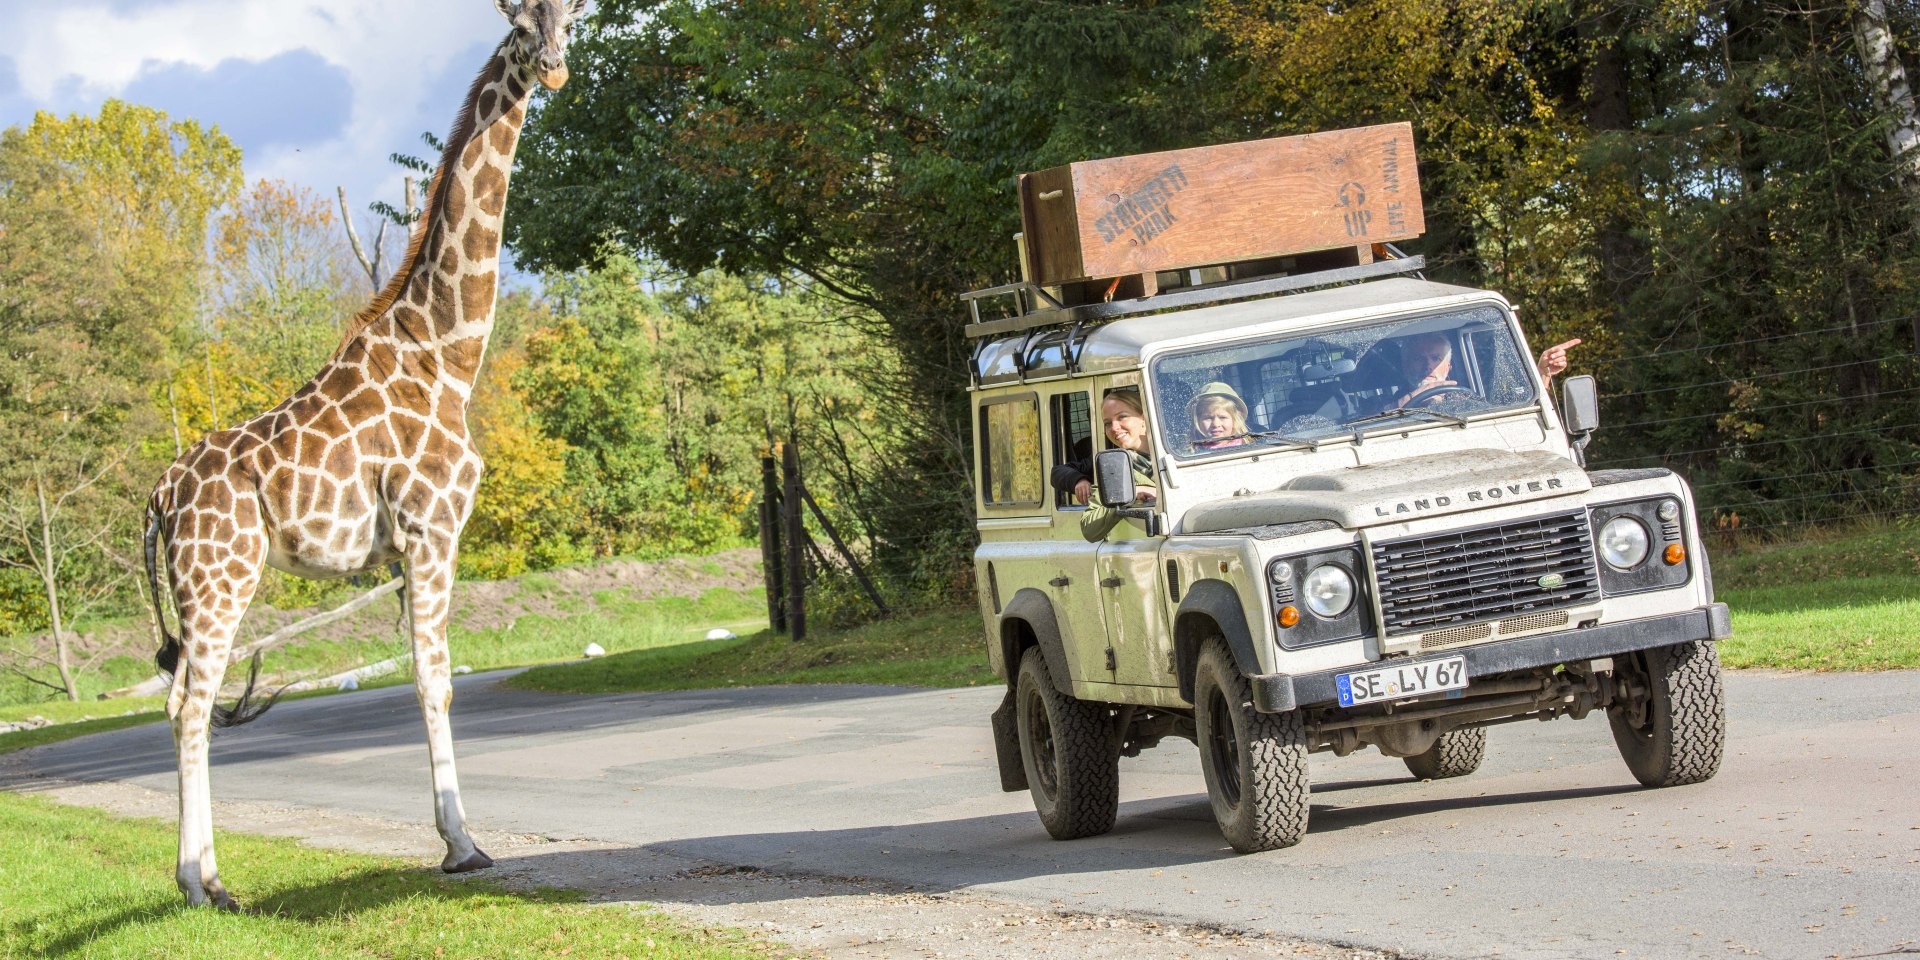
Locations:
column 1071, row 415
column 1010, row 451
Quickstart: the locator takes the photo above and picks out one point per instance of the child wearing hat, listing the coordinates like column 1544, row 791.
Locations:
column 1219, row 417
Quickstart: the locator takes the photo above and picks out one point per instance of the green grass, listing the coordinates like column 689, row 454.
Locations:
column 618, row 624
column 67, row 730
column 1847, row 602
column 933, row 650
column 79, row 883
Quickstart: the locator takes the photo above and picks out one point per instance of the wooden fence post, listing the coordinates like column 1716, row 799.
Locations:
column 796, row 536
column 772, row 559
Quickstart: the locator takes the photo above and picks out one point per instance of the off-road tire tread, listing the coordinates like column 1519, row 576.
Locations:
column 1275, row 795
column 1697, row 718
column 1088, row 756
column 1455, row 753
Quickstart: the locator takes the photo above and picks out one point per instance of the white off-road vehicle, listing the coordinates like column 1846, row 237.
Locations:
column 1367, row 563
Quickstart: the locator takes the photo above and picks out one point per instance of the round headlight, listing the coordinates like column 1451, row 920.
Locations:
column 1329, row 591
column 1623, row 543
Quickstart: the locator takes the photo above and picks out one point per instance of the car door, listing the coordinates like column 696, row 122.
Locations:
column 1131, row 594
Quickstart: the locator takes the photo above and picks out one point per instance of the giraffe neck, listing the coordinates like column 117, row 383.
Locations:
column 452, row 281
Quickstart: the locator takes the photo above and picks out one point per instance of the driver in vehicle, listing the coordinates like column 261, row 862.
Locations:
column 1426, row 363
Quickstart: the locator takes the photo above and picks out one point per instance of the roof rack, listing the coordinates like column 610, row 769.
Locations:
column 1035, row 308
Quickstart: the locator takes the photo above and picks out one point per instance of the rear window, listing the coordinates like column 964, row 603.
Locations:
column 1010, row 451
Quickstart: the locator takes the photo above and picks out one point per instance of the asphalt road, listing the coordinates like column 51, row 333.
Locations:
column 1806, row 845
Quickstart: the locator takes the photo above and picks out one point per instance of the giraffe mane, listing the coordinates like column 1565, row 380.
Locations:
column 463, row 130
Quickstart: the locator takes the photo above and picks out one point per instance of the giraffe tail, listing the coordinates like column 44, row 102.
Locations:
column 246, row 709
column 168, row 659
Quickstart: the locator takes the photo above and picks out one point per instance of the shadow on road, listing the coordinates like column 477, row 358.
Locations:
column 1162, row 833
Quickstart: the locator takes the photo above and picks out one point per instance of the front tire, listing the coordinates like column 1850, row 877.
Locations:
column 1068, row 750
column 1455, row 753
column 1255, row 763
column 1678, row 733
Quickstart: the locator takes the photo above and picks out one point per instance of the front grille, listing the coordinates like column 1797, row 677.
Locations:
column 1485, row 573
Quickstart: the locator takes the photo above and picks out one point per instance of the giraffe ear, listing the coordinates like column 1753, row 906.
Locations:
column 507, row 8
column 576, row 8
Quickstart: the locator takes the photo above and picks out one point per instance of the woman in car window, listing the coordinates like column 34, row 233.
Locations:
column 1219, row 417
column 1125, row 420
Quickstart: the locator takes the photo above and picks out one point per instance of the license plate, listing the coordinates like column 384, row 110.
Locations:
column 1407, row 680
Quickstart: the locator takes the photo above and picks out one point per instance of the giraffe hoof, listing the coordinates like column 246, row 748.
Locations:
column 474, row 861
column 227, row 904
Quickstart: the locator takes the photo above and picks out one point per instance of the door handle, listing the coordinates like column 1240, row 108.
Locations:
column 1112, row 582
column 1060, row 581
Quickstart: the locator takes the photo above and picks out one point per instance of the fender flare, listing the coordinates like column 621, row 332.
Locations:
column 1210, row 607
column 1034, row 610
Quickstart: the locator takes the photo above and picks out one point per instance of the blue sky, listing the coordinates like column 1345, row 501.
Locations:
column 317, row 93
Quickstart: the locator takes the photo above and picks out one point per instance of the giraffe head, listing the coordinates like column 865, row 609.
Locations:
column 540, row 33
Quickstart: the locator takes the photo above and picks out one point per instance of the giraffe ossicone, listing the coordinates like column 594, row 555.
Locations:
column 369, row 464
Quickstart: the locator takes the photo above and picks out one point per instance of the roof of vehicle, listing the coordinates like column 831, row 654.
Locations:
column 1120, row 344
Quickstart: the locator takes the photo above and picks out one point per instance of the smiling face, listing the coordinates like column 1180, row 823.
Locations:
column 1125, row 426
column 541, row 29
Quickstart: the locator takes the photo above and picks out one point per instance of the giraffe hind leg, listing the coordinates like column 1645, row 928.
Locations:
column 197, row 679
column 210, row 610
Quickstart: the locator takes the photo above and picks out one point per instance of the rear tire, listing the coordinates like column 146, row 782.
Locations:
column 1255, row 763
column 1068, row 750
column 1455, row 753
column 1679, row 733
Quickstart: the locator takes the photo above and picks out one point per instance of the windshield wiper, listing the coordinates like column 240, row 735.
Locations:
column 1398, row 412
column 1270, row 435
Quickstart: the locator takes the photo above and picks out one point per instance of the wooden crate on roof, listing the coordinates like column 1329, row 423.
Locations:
column 1138, row 215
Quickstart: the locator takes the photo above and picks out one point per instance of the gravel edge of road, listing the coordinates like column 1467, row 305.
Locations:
column 829, row 918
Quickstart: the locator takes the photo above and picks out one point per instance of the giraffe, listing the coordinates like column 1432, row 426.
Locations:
column 369, row 464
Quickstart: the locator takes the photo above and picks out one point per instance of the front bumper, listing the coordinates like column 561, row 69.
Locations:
column 1280, row 692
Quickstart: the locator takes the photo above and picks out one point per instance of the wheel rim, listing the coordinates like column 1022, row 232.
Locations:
column 1639, row 718
column 1040, row 742
column 1224, row 746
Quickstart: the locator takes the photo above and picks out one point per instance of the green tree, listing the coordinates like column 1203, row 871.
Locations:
column 868, row 146
column 102, row 232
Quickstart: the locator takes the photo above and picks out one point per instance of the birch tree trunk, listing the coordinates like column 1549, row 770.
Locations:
column 1887, row 78
column 49, row 578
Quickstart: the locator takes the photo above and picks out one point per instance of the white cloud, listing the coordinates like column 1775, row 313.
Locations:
column 397, row 55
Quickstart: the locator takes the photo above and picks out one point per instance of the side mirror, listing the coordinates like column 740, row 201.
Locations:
column 1580, row 411
column 1113, row 477
column 1580, row 405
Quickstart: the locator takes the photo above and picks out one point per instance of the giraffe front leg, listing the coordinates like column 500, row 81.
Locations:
column 429, row 588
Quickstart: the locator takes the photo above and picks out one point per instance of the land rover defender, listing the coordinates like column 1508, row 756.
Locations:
column 1363, row 562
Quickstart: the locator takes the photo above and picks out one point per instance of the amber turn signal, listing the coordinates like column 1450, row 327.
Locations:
column 1289, row 616
column 1674, row 553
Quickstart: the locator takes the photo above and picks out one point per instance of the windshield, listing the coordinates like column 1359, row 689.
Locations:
column 1332, row 385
